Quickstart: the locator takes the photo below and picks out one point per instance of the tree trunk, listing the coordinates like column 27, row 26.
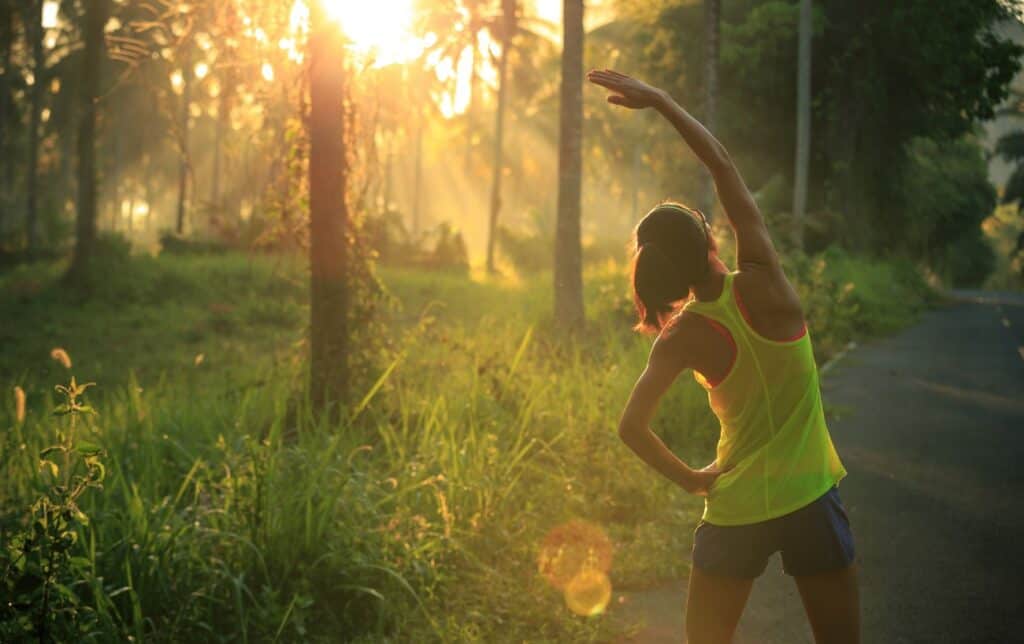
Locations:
column 417, row 184
column 803, row 123
column 471, row 109
column 223, row 110
column 92, row 61
column 328, row 169
column 6, row 103
column 712, row 20
column 508, row 26
column 186, row 100
column 34, row 30
column 115, row 179
column 568, row 250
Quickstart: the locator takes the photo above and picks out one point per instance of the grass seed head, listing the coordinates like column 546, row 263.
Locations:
column 19, row 404
column 61, row 356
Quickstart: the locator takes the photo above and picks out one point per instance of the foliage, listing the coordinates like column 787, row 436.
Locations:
column 440, row 248
column 886, row 75
column 177, row 245
column 1004, row 230
column 948, row 195
column 49, row 584
column 846, row 297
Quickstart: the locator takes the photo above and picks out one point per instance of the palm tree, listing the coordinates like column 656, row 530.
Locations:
column 7, row 108
column 461, row 23
column 508, row 29
column 803, row 122
column 186, row 104
column 712, row 22
column 328, row 212
column 35, row 31
column 568, row 253
column 85, row 223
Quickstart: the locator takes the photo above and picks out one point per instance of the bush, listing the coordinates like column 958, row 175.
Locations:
column 442, row 248
column 173, row 244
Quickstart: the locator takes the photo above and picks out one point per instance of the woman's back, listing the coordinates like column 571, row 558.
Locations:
column 773, row 432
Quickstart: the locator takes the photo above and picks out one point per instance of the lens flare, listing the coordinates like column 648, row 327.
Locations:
column 575, row 558
column 588, row 593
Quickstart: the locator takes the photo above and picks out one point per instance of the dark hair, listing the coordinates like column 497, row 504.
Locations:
column 672, row 244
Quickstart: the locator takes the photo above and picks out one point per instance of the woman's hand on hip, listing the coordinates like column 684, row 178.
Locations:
column 704, row 479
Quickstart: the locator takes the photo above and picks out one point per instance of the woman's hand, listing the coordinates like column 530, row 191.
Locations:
column 626, row 91
column 703, row 479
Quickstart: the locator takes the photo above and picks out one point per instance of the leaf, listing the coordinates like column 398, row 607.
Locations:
column 87, row 448
column 62, row 410
column 54, row 470
column 100, row 470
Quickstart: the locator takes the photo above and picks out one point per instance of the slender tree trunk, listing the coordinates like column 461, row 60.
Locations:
column 131, row 216
column 568, row 250
column 92, row 61
column 7, row 172
column 417, row 185
column 803, row 123
column 471, row 109
column 186, row 101
column 34, row 30
column 635, row 181
column 328, row 170
column 218, row 142
column 388, row 169
column 115, row 182
column 712, row 20
column 150, row 209
column 507, row 30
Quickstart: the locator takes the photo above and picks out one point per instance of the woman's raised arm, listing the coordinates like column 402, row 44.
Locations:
column 754, row 244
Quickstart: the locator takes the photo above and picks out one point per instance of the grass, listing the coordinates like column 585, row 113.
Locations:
column 230, row 512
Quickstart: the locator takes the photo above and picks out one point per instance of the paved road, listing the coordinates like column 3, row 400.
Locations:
column 931, row 429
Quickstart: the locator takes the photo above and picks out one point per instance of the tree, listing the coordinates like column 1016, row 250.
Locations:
column 1011, row 147
column 712, row 22
column 803, row 121
column 328, row 251
column 568, row 251
column 186, row 117
column 92, row 60
column 35, row 32
column 508, row 28
column 8, row 109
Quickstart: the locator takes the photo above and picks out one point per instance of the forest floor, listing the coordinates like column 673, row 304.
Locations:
column 931, row 435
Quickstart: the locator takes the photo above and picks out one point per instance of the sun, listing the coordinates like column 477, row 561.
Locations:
column 381, row 29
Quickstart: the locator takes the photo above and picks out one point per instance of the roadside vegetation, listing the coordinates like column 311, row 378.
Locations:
column 227, row 511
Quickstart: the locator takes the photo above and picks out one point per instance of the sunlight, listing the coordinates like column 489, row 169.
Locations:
column 51, row 9
column 381, row 29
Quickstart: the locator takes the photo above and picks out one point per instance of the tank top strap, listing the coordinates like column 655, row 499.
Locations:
column 722, row 308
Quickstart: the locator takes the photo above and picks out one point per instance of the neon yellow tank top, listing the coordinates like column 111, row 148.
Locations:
column 773, row 431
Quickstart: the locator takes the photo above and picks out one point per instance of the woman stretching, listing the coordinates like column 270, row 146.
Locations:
column 772, row 486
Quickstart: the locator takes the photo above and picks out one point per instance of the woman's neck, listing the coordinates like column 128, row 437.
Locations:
column 710, row 288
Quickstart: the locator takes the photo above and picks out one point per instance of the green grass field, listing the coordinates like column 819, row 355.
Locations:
column 228, row 512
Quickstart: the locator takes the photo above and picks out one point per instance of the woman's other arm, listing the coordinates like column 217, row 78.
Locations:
column 663, row 367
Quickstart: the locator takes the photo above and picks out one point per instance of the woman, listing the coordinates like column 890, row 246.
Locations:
column 772, row 487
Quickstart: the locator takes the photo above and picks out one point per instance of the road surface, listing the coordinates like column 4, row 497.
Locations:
column 930, row 426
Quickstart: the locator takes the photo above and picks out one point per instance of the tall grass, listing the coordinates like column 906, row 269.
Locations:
column 230, row 512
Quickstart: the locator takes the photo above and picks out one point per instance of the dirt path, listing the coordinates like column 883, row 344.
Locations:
column 931, row 429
